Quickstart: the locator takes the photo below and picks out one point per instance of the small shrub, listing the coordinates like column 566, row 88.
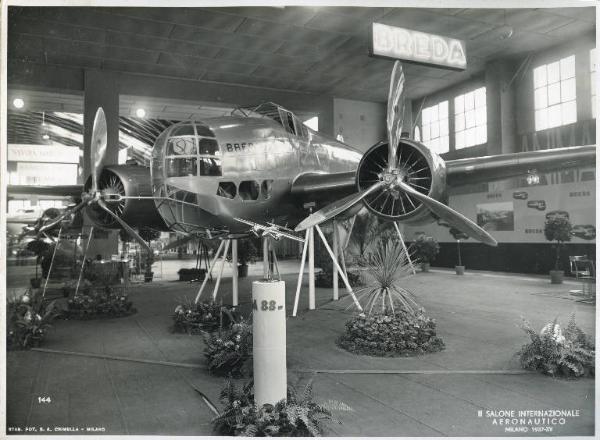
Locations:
column 192, row 274
column 298, row 416
column 99, row 302
column 194, row 318
column 425, row 249
column 557, row 353
column 229, row 353
column 28, row 319
column 401, row 333
column 325, row 279
column 557, row 229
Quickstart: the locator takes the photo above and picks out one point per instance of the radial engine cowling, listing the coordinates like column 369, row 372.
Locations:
column 117, row 181
column 417, row 167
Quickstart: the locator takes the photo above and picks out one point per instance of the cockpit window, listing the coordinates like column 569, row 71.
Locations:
column 210, row 166
column 184, row 145
column 192, row 150
column 304, row 130
column 208, row 146
column 183, row 130
column 204, row 131
column 182, row 167
column 290, row 121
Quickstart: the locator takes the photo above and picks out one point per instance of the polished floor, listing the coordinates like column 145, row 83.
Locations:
column 133, row 376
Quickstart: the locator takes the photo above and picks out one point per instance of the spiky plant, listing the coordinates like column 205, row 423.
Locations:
column 387, row 264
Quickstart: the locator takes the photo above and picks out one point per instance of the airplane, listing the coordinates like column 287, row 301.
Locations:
column 263, row 165
column 15, row 222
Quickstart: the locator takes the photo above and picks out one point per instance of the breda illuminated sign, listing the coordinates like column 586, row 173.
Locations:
column 418, row 47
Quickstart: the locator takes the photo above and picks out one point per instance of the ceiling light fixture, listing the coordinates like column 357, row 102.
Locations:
column 505, row 31
column 140, row 113
column 18, row 103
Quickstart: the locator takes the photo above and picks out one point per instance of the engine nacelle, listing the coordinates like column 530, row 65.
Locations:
column 423, row 170
column 131, row 181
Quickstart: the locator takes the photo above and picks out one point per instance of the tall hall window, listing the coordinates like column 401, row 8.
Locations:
column 434, row 124
column 470, row 118
column 554, row 94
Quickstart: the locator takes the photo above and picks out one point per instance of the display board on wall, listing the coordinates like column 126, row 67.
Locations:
column 32, row 173
column 42, row 153
column 517, row 215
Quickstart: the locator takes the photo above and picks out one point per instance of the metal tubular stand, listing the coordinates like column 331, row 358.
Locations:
column 234, row 270
column 311, row 269
column 224, row 258
column 52, row 262
column 266, row 274
column 346, row 282
column 83, row 259
column 215, row 258
column 336, row 247
column 275, row 263
column 405, row 248
column 299, row 283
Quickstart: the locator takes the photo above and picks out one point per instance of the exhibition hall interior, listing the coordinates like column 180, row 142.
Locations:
column 300, row 220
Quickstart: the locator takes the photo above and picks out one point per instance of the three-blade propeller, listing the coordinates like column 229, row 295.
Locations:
column 391, row 178
column 98, row 144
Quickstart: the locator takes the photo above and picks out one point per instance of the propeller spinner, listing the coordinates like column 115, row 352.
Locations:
column 394, row 177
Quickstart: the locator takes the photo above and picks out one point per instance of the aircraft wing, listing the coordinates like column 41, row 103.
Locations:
column 489, row 168
column 54, row 190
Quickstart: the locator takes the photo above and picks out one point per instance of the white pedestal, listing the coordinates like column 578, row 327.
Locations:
column 269, row 339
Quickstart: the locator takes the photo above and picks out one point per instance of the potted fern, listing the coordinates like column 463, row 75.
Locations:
column 458, row 236
column 425, row 250
column 557, row 229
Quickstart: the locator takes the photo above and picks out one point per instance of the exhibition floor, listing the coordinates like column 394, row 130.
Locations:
column 117, row 376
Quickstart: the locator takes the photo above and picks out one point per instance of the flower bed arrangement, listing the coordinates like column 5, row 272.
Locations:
column 556, row 353
column 229, row 352
column 28, row 319
column 393, row 324
column 99, row 302
column 194, row 318
column 398, row 334
column 298, row 416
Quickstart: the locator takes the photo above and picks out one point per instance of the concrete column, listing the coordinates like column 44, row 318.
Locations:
column 501, row 123
column 500, row 103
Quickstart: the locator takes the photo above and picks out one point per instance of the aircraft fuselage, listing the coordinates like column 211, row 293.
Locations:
column 239, row 166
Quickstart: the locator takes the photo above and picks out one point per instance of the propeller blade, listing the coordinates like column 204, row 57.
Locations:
column 98, row 147
column 125, row 226
column 335, row 208
column 395, row 112
column 178, row 242
column 61, row 217
column 454, row 218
